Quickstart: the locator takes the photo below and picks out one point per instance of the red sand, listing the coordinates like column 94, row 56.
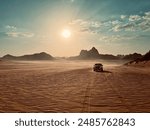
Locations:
column 62, row 86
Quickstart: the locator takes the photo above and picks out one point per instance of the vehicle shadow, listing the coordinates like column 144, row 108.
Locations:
column 104, row 71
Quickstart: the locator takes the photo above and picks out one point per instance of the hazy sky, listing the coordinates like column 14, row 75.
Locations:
column 112, row 26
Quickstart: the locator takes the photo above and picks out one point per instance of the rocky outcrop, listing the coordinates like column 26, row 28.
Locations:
column 133, row 56
column 145, row 58
column 91, row 54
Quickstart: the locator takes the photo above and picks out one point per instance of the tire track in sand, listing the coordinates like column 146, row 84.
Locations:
column 117, row 92
column 86, row 107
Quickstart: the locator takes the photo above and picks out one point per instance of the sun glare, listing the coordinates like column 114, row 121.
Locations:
column 66, row 33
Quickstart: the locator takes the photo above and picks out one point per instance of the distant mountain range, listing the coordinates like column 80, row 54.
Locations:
column 94, row 54
column 36, row 56
column 84, row 55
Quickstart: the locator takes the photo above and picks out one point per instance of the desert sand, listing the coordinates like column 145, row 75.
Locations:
column 72, row 86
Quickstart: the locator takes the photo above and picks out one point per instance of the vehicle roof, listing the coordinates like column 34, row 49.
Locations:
column 99, row 64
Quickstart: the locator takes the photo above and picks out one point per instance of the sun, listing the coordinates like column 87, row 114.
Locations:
column 66, row 33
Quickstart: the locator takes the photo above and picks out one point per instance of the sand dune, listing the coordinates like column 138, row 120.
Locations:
column 68, row 86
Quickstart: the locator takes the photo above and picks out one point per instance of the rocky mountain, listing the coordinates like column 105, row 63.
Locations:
column 36, row 56
column 92, row 54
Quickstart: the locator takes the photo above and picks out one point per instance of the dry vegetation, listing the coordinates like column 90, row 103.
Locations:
column 72, row 86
